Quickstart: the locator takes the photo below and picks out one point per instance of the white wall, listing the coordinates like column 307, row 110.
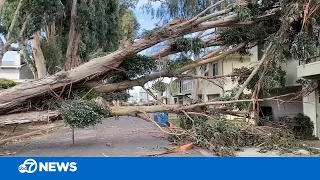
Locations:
column 291, row 72
column 12, row 73
column 279, row 109
column 310, row 109
column 11, row 58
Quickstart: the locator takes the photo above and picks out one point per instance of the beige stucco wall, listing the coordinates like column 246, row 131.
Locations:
column 206, row 88
column 229, row 64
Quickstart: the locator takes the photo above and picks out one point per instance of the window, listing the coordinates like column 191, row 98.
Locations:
column 187, row 86
column 215, row 69
column 204, row 70
column 213, row 96
column 179, row 84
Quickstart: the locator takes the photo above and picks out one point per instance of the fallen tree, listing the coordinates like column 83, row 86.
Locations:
column 98, row 67
column 235, row 28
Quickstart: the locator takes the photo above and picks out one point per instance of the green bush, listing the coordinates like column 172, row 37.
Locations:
column 6, row 83
column 82, row 113
column 303, row 127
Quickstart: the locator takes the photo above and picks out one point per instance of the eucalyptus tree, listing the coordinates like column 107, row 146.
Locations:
column 288, row 28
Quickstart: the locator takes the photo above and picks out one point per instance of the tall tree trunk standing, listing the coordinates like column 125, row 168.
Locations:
column 23, row 46
column 38, row 56
column 50, row 30
column 14, row 20
column 27, row 59
column 72, row 55
column 4, row 46
column 2, row 50
column 2, row 3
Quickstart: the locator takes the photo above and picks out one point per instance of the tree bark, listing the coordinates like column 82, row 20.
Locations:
column 72, row 57
column 14, row 20
column 38, row 56
column 254, row 72
column 2, row 3
column 29, row 117
column 50, row 30
column 28, row 61
column 2, row 50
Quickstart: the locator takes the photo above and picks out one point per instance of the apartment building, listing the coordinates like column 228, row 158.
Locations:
column 190, row 88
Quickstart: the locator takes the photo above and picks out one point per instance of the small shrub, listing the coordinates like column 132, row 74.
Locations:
column 82, row 113
column 6, row 83
column 303, row 127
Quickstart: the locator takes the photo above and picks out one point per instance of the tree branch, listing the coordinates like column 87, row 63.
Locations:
column 254, row 72
column 14, row 20
column 143, row 80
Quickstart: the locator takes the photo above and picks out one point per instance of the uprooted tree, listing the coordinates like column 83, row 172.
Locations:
column 98, row 61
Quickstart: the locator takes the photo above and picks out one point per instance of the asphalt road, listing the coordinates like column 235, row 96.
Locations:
column 127, row 136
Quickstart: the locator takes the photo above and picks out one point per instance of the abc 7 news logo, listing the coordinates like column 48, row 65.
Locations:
column 29, row 166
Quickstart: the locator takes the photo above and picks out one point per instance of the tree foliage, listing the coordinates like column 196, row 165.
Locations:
column 194, row 45
column 53, row 55
column 273, row 80
column 159, row 86
column 129, row 24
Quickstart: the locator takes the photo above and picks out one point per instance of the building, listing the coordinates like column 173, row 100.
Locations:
column 188, row 89
column 139, row 95
column 311, row 103
column 12, row 67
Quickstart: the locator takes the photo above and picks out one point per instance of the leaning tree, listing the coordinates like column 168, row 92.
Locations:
column 99, row 63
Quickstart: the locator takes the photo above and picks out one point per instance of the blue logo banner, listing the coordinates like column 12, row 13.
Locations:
column 158, row 168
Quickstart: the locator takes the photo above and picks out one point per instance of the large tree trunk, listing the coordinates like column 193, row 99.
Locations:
column 14, row 20
column 143, row 80
column 38, row 56
column 98, row 67
column 50, row 30
column 2, row 50
column 72, row 56
column 28, row 61
column 2, row 3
